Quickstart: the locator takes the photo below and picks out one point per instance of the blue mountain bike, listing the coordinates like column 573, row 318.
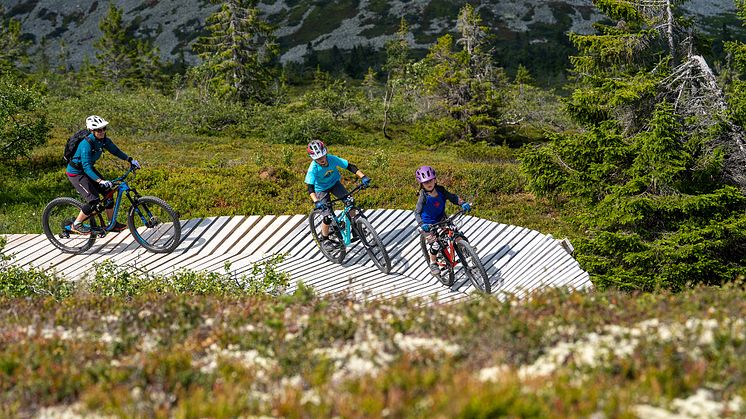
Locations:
column 346, row 229
column 152, row 222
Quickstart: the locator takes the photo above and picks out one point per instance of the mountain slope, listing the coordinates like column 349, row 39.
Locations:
column 531, row 32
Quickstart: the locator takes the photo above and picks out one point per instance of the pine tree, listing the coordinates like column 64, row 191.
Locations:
column 397, row 60
column 12, row 48
column 660, row 210
column 122, row 60
column 467, row 81
column 238, row 51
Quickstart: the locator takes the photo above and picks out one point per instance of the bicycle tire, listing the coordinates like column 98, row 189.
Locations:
column 58, row 214
column 337, row 251
column 450, row 277
column 472, row 266
column 370, row 240
column 154, row 224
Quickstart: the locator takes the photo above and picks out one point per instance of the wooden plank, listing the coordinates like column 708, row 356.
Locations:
column 129, row 249
column 195, row 247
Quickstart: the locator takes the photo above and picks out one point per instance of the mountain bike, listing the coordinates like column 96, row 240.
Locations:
column 454, row 250
column 152, row 222
column 345, row 229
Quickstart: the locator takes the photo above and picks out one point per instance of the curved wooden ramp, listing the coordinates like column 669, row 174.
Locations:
column 518, row 260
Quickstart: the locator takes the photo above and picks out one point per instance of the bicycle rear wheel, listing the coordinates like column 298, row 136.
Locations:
column 447, row 277
column 56, row 220
column 473, row 267
column 154, row 224
column 373, row 244
column 333, row 248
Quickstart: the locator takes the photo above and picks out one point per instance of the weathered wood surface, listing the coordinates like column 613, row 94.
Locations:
column 518, row 260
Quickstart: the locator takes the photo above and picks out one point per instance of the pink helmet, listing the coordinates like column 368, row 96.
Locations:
column 424, row 173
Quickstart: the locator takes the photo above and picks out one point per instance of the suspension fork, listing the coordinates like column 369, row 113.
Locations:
column 138, row 209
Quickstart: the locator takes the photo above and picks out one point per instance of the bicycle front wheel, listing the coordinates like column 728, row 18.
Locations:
column 373, row 245
column 473, row 267
column 333, row 247
column 56, row 221
column 154, row 224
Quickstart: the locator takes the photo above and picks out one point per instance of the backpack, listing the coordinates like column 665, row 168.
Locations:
column 72, row 146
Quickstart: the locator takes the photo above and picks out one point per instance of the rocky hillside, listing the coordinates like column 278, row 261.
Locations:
column 531, row 32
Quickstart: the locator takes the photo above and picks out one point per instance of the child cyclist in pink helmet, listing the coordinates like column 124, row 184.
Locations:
column 431, row 208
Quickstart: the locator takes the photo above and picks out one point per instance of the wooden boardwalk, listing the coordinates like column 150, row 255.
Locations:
column 518, row 260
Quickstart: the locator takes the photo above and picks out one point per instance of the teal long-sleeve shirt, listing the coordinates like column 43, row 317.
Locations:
column 88, row 152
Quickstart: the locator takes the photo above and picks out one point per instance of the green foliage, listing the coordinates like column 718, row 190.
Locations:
column 146, row 111
column 333, row 96
column 302, row 127
column 12, row 46
column 437, row 130
column 122, row 60
column 23, row 119
column 16, row 282
column 658, row 212
column 467, row 83
column 237, row 51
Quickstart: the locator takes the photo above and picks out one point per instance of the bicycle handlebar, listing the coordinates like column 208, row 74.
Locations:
column 448, row 220
column 350, row 193
column 131, row 169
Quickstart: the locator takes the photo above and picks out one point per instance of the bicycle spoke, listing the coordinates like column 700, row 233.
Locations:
column 154, row 224
column 57, row 220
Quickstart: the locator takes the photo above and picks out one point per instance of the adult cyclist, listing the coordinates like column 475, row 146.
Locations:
column 89, row 183
column 323, row 177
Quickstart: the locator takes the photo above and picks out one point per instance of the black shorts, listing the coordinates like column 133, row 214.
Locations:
column 88, row 189
column 337, row 190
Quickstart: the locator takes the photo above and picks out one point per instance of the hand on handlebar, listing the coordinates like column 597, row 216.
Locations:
column 106, row 184
column 466, row 207
column 426, row 228
column 319, row 204
column 365, row 181
column 135, row 164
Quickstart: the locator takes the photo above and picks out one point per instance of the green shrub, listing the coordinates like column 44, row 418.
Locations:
column 432, row 131
column 483, row 152
column 17, row 282
column 147, row 112
column 300, row 128
column 111, row 280
column 23, row 118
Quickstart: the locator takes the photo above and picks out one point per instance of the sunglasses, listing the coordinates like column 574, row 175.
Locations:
column 100, row 130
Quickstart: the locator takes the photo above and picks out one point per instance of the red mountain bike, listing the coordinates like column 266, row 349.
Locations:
column 454, row 250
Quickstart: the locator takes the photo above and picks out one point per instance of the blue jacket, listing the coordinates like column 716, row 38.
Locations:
column 88, row 152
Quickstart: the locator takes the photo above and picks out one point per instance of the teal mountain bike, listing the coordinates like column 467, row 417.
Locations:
column 346, row 229
column 152, row 222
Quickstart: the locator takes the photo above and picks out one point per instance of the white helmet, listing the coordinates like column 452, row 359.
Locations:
column 316, row 149
column 95, row 122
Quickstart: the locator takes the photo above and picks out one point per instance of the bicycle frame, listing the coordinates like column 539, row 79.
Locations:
column 344, row 215
column 446, row 233
column 123, row 189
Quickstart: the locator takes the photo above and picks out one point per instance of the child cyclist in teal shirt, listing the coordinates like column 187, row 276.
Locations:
column 323, row 177
column 431, row 209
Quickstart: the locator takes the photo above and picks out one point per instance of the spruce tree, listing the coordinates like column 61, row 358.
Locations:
column 661, row 211
column 238, row 51
column 467, row 82
column 397, row 61
column 12, row 48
